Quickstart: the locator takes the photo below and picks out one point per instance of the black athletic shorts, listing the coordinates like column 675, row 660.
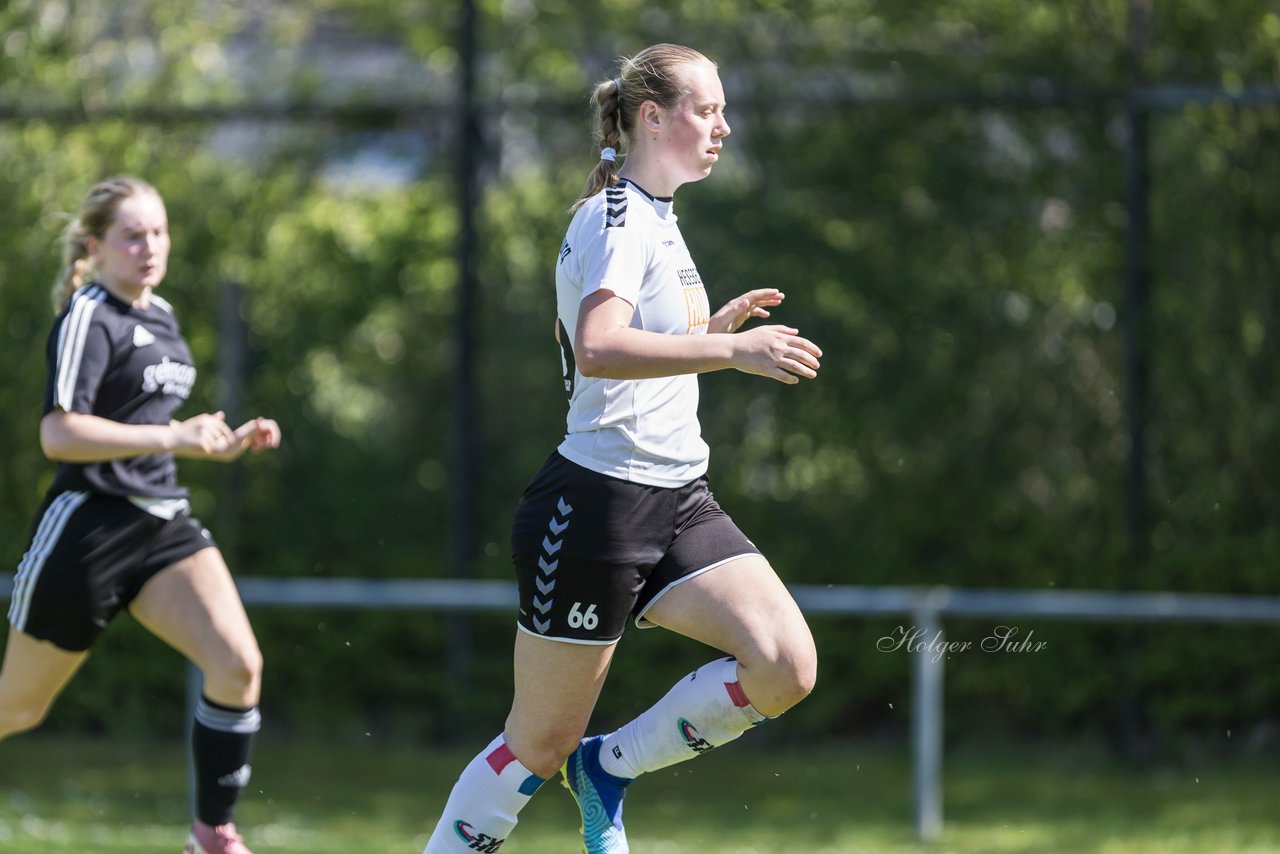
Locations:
column 591, row 550
column 90, row 554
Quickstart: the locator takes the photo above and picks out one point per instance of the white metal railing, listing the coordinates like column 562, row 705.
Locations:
column 925, row 641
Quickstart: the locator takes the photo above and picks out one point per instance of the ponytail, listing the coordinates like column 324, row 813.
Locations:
column 76, row 264
column 608, row 101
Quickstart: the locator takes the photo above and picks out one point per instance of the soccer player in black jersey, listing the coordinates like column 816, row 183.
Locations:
column 115, row 529
column 620, row 523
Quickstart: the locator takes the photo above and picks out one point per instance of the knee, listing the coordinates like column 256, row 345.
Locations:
column 786, row 674
column 20, row 717
column 543, row 752
column 237, row 674
column 797, row 671
column 808, row 676
column 244, row 669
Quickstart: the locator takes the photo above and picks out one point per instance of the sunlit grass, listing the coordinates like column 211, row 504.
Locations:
column 89, row 797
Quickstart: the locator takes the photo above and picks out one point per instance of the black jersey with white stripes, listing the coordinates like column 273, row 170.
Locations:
column 127, row 364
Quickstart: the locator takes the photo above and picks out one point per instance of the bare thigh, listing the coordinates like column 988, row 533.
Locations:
column 556, row 688
column 33, row 675
column 194, row 607
column 744, row 609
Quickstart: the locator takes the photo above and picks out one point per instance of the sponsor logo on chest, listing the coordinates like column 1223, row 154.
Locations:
column 695, row 300
column 169, row 377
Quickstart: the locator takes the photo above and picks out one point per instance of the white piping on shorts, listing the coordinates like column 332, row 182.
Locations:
column 642, row 623
column 568, row 640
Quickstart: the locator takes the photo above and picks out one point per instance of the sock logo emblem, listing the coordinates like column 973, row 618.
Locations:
column 238, row 778
column 693, row 738
column 476, row 841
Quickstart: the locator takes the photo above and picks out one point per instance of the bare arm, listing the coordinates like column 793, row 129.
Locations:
column 77, row 437
column 605, row 345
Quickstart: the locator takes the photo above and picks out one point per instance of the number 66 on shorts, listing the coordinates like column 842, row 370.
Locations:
column 579, row 619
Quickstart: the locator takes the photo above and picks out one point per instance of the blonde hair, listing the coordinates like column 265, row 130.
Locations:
column 653, row 74
column 97, row 212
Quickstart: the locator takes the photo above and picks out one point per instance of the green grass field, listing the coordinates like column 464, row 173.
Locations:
column 92, row 797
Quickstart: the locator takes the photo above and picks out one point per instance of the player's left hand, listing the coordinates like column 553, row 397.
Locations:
column 258, row 435
column 738, row 311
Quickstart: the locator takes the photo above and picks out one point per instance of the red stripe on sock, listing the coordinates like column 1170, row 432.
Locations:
column 500, row 758
column 736, row 694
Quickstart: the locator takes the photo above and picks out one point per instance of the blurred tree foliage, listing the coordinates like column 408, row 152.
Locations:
column 949, row 235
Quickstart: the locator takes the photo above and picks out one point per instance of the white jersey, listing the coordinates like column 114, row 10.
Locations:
column 646, row 431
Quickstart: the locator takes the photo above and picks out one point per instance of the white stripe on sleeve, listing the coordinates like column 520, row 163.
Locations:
column 71, row 338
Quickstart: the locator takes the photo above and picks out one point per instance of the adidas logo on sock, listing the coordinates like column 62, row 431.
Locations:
column 237, row 779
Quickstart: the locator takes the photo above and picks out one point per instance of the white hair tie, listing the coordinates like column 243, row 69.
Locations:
column 610, row 153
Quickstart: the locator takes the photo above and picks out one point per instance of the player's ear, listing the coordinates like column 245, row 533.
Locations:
column 650, row 115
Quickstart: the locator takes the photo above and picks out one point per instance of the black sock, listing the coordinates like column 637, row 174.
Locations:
column 220, row 742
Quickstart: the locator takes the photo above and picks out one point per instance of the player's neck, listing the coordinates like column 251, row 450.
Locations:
column 652, row 181
column 138, row 296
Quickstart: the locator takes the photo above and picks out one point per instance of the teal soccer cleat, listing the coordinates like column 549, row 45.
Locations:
column 599, row 796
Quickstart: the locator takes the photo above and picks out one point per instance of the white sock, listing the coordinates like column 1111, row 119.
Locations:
column 704, row 710
column 484, row 803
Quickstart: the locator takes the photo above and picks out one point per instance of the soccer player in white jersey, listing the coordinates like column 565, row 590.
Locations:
column 620, row 523
column 115, row 529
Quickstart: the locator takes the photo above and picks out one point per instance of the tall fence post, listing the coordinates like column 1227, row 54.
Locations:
column 926, row 718
column 1136, row 329
column 233, row 378
column 464, row 462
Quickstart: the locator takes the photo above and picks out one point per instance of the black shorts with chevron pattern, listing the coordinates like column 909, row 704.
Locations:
column 591, row 550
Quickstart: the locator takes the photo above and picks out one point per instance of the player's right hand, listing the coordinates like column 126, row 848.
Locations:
column 777, row 352
column 205, row 435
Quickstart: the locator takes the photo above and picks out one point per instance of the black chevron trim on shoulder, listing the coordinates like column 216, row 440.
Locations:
column 615, row 214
